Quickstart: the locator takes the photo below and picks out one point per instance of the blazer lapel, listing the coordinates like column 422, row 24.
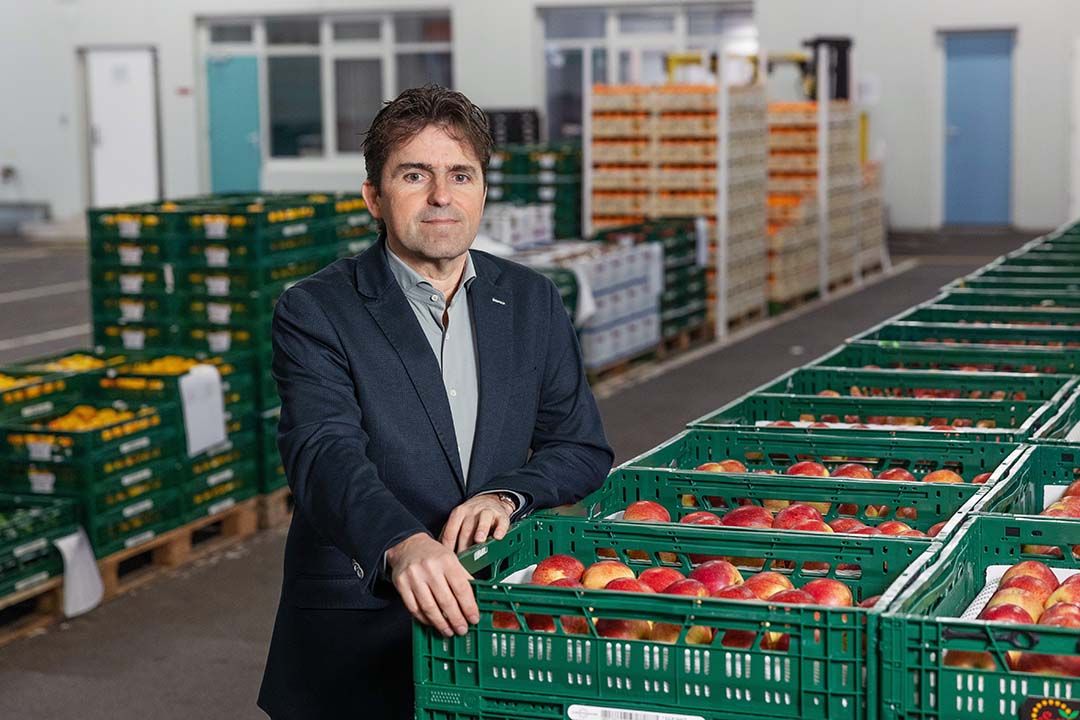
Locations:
column 394, row 315
column 492, row 315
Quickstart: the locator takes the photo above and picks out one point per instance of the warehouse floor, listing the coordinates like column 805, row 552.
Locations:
column 192, row 644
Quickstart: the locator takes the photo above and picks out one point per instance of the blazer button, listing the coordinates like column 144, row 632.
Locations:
column 359, row 570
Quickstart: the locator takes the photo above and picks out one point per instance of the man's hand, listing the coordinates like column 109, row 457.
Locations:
column 433, row 584
column 475, row 520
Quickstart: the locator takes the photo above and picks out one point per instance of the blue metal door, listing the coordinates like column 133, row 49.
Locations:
column 978, row 128
column 235, row 156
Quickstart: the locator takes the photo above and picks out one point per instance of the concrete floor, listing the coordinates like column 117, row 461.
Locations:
column 192, row 644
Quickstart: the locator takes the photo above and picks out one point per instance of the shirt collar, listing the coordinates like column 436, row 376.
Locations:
column 408, row 278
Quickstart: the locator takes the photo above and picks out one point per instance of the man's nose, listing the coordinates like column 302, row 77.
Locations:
column 440, row 193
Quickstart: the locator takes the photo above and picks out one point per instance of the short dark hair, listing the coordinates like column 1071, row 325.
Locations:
column 413, row 110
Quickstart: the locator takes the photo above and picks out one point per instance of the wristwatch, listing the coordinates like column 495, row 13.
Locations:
column 507, row 498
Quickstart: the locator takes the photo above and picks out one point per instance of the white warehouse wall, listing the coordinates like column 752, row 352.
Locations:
column 897, row 43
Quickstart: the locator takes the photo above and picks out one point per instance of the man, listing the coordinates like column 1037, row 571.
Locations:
column 429, row 395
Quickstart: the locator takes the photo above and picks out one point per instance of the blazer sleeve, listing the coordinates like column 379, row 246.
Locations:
column 570, row 454
column 322, row 441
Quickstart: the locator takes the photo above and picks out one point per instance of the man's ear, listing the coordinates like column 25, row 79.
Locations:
column 371, row 198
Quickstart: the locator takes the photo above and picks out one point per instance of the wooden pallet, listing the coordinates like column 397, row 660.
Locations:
column 778, row 307
column 129, row 569
column 621, row 367
column 684, row 340
column 275, row 508
column 747, row 319
column 30, row 611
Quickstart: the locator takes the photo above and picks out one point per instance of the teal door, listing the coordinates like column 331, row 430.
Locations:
column 235, row 155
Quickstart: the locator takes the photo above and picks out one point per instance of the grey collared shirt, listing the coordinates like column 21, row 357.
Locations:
column 452, row 342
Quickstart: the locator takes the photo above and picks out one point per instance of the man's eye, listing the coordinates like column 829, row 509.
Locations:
column 412, row 177
column 462, row 178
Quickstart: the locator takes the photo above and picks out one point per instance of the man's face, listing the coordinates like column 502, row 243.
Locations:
column 432, row 195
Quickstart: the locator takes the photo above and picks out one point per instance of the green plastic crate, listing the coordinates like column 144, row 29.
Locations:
column 220, row 490
column 924, row 624
column 826, row 672
column 1029, row 299
column 935, row 356
column 109, row 279
column 239, row 447
column 31, row 394
column 137, row 523
column 1013, row 420
column 247, row 250
column 147, row 337
column 254, row 309
column 28, row 527
column 83, row 365
column 1003, row 315
column 1056, row 285
column 1038, row 478
column 209, row 338
column 1057, row 260
column 117, row 308
column 149, row 251
column 918, row 383
column 967, row 334
column 224, row 281
column 1063, row 427
column 137, row 381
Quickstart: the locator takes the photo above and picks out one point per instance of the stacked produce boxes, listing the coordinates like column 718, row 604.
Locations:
column 540, row 174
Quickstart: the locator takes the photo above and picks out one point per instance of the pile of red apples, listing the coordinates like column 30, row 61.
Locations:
column 926, row 393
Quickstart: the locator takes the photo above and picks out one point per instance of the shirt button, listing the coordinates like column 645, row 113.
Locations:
column 434, row 298
column 453, row 392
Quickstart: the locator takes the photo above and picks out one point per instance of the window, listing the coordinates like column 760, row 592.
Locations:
column 358, row 93
column 654, row 23
column 575, row 23
column 421, row 28
column 295, row 85
column 292, row 31
column 230, row 34
column 357, row 30
column 416, row 69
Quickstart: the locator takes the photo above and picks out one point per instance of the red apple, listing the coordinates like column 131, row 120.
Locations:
column 659, row 578
column 981, row 478
column 557, row 567
column 540, row 623
column 828, row 393
column 793, row 597
column 792, row 515
column 936, row 528
column 624, row 629
column 734, row 592
column 907, row 513
column 812, row 526
column 808, row 468
column 853, row 470
column 1067, row 593
column 669, row 633
column 897, row 474
column 827, row 591
column 868, row 530
column 893, row 527
column 846, row 524
column 766, row 584
column 1017, row 596
column 688, row 586
column 1007, row 614
column 628, row 584
column 1034, row 585
column 1061, row 615
column 869, row 602
column 782, row 423
column 504, row 621
column 722, row 466
column 599, row 574
column 717, row 574
column 701, row 517
column 752, row 516
column 943, row 476
column 646, row 511
column 1035, row 568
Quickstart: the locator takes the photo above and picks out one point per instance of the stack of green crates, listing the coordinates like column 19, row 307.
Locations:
column 684, row 301
column 28, row 526
column 530, row 174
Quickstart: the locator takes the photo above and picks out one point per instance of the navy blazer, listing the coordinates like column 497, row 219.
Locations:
column 366, row 434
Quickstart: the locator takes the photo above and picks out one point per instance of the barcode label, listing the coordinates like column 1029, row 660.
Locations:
column 130, row 284
column 219, row 340
column 592, row 712
column 39, row 450
column 31, row 581
column 130, row 255
column 133, row 445
column 217, row 285
column 38, row 409
column 133, row 311
column 42, row 482
column 30, row 547
column 220, row 477
column 218, row 313
column 139, row 539
column 216, row 229
column 129, row 228
column 298, row 229
column 221, row 506
column 217, row 256
column 132, row 478
column 355, row 220
column 134, row 339
column 139, row 507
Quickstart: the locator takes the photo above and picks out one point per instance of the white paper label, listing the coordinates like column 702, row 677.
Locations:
column 39, row 450
column 129, row 228
column 291, row 230
column 547, row 176
column 42, row 482
column 220, row 477
column 219, row 340
column 139, row 539
column 132, row 311
column 218, row 313
column 31, row 547
column 133, row 339
column 592, row 712
column 130, row 255
column 170, row 283
column 136, row 444
column 216, row 256
column 480, row 553
column 203, row 403
column 38, row 409
column 355, row 220
column 221, row 506
column 216, row 229
column 217, row 285
column 31, row 581
column 136, row 477
column 139, row 507
column 131, row 283
column 547, row 194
